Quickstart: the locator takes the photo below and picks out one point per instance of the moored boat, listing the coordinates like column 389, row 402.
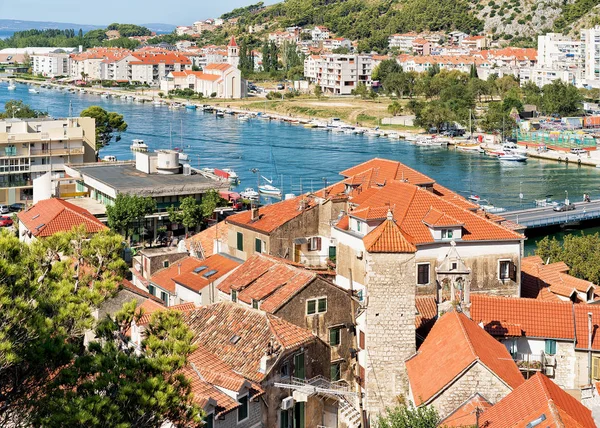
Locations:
column 250, row 193
column 138, row 146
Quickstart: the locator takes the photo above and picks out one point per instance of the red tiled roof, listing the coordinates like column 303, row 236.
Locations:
column 161, row 57
column 534, row 398
column 535, row 318
column 232, row 42
column 436, row 218
column 388, row 238
column 272, row 216
column 466, row 415
column 218, row 66
column 240, row 336
column 453, row 345
column 51, row 216
column 204, row 242
column 129, row 286
column 197, row 74
column 427, row 312
column 197, row 281
column 389, row 170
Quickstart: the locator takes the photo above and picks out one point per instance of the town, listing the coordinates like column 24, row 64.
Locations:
column 252, row 221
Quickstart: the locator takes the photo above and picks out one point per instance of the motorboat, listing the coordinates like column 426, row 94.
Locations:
column 105, row 96
column 250, row 193
column 393, row 136
column 513, row 148
column 474, row 198
column 139, row 146
column 191, row 106
column 220, row 113
column 373, row 133
column 269, row 189
column 431, row 142
column 11, row 86
column 157, row 103
column 233, row 177
column 492, row 209
column 244, row 117
column 470, row 148
column 33, row 91
column 513, row 157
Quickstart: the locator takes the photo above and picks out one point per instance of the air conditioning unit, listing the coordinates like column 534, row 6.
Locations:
column 549, row 371
column 550, row 360
column 359, row 255
column 287, row 403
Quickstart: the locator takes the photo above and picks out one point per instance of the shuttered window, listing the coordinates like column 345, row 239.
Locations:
column 334, row 336
column 240, row 241
column 550, row 347
column 258, row 245
column 596, row 368
column 423, row 274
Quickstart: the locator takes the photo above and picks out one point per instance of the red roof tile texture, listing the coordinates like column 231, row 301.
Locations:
column 204, row 242
column 534, row 398
column 388, row 238
column 51, row 216
column 454, row 344
column 466, row 415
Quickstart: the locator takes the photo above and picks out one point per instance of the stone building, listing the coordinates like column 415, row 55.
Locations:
column 457, row 360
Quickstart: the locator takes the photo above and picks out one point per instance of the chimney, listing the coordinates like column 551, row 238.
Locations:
column 302, row 205
column 254, row 214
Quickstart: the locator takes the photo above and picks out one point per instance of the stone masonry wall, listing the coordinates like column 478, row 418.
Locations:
column 477, row 379
column 565, row 374
column 390, row 330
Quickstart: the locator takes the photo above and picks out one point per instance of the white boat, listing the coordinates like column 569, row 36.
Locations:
column 220, row 113
column 373, row 133
column 250, row 193
column 468, row 147
column 513, row 148
column 338, row 130
column 11, row 87
column 492, row 209
column 244, row 117
column 431, row 142
column 104, row 96
column 33, row 91
column 139, row 146
column 233, row 177
column 269, row 189
column 393, row 136
column 157, row 103
column 183, row 156
column 109, row 158
column 512, row 157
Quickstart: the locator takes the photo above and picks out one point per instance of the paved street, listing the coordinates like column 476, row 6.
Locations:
column 546, row 216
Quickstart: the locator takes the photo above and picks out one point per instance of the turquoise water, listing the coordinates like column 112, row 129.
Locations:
column 308, row 157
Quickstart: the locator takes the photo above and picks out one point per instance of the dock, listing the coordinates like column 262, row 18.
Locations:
column 538, row 217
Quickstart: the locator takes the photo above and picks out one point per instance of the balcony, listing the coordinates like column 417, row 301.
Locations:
column 57, row 152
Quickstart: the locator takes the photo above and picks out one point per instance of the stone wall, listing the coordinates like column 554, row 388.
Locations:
column 565, row 373
column 477, row 379
column 347, row 262
column 255, row 411
column 390, row 328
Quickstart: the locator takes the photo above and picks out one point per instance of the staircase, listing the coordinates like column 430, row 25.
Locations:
column 348, row 415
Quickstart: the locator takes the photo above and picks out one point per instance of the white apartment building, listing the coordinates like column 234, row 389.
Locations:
column 543, row 76
column 339, row 74
column 559, row 51
column 51, row 64
column 590, row 41
column 402, row 42
column 320, row 33
column 32, row 147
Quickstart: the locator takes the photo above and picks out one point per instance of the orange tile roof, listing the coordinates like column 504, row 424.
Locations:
column 466, row 415
column 427, row 312
column 534, row 398
column 370, row 213
column 537, row 275
column 160, row 57
column 204, row 242
column 581, row 326
column 51, row 216
column 389, row 170
column 437, row 218
column 197, row 281
column 127, row 285
column 218, row 66
column 240, row 336
column 272, row 216
column 388, row 238
column 454, row 344
column 535, row 318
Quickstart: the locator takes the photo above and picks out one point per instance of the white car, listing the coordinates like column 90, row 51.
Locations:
column 578, row 151
column 4, row 209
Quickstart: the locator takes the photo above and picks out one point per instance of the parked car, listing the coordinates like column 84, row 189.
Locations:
column 15, row 208
column 280, row 87
column 5, row 221
column 563, row 207
column 578, row 151
column 4, row 209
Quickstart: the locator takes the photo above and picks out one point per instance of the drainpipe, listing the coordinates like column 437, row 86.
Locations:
column 590, row 348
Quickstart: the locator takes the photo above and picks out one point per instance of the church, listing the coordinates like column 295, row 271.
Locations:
column 218, row 80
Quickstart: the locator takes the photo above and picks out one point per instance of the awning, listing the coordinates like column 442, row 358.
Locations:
column 300, row 241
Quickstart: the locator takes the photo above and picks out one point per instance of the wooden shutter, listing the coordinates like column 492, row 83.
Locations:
column 596, row 368
column 318, row 241
column 361, row 340
column 257, row 245
column 512, row 268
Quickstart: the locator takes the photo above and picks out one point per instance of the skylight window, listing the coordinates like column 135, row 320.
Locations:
column 209, row 273
column 200, row 269
column 234, row 339
column 35, row 216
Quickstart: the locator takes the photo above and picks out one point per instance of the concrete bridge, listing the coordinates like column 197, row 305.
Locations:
column 546, row 216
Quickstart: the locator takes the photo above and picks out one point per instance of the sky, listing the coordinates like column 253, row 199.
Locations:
column 176, row 12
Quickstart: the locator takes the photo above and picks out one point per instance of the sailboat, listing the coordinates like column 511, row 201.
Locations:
column 269, row 189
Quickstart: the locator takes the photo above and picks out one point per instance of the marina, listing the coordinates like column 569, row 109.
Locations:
column 307, row 158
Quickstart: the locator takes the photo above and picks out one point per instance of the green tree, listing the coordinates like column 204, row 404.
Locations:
column 18, row 109
column 361, row 90
column 318, row 91
column 497, row 118
column 107, row 123
column 580, row 252
column 385, row 68
column 434, row 115
column 561, row 98
column 532, row 94
column 505, row 84
column 127, row 211
column 409, row 417
column 395, row 108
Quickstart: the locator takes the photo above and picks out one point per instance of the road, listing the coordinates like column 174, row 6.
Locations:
column 546, row 216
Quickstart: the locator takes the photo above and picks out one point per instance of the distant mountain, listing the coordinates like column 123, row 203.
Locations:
column 12, row 25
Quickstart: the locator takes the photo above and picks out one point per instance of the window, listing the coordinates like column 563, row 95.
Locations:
column 240, row 241
column 284, row 419
column 550, row 347
column 255, row 304
column 152, row 289
column 165, row 263
column 357, row 226
column 596, row 368
column 299, row 371
column 314, row 244
column 258, row 245
column 164, row 297
column 361, row 340
column 209, row 420
column 336, row 371
column 507, row 270
column 454, row 265
column 332, row 253
column 446, row 233
column 316, row 306
column 233, row 296
column 243, row 409
column 423, row 274
column 285, row 369
column 334, row 336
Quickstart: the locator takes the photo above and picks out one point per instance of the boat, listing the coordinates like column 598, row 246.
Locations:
column 11, row 87
column 250, row 193
column 431, row 142
column 512, row 156
column 191, row 106
column 33, row 91
column 109, row 158
column 220, row 113
column 513, row 148
column 228, row 174
column 269, row 189
column 104, row 96
column 157, row 103
column 394, row 136
column 469, row 147
column 373, row 133
column 489, row 208
column 474, row 198
column 139, row 146
column 244, row 117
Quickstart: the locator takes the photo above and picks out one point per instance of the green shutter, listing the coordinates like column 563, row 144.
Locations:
column 299, row 415
column 233, row 296
column 335, row 372
column 334, row 336
column 243, row 408
column 284, row 420
column 299, row 366
column 240, row 241
column 550, row 347
column 311, row 307
column 257, row 245
column 323, row 305
column 332, row 253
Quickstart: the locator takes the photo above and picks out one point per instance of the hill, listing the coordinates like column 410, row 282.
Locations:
column 372, row 21
column 13, row 25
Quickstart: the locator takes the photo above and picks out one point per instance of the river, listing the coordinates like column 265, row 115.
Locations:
column 308, row 157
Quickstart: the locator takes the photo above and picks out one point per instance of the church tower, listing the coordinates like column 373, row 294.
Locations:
column 233, row 53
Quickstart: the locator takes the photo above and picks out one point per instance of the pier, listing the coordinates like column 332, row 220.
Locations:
column 546, row 216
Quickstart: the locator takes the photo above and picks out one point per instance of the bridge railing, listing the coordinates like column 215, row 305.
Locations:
column 559, row 218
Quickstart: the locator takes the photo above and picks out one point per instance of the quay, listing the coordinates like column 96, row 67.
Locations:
column 538, row 217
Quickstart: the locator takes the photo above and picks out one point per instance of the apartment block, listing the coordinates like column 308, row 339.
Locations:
column 339, row 74
column 590, row 41
column 32, row 147
column 51, row 64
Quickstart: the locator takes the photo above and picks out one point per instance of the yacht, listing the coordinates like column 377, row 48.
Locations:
column 512, row 156
column 11, row 86
column 33, row 91
column 513, row 148
column 431, row 142
column 269, row 189
column 232, row 175
column 139, row 146
column 220, row 113
column 250, row 193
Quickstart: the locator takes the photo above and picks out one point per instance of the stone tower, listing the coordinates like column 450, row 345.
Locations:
column 233, row 53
